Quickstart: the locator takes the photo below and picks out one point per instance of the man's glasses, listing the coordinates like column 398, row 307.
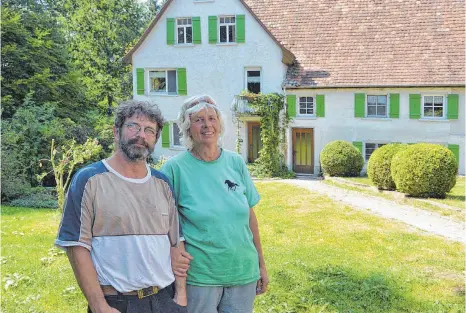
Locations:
column 136, row 128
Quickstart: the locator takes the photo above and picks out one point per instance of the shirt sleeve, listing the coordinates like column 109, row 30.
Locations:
column 76, row 224
column 250, row 192
column 167, row 170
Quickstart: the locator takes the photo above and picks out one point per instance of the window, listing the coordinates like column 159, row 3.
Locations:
column 163, row 81
column 433, row 107
column 253, row 80
column 371, row 147
column 376, row 106
column 184, row 30
column 176, row 135
column 227, row 28
column 306, row 106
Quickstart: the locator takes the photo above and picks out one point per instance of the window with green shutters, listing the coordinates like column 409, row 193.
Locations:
column 414, row 106
column 196, row 30
column 184, row 30
column 227, row 29
column 182, row 83
column 359, row 104
column 240, row 28
column 452, row 111
column 456, row 151
column 166, row 135
column 163, row 81
column 291, row 105
column 140, row 81
column 394, row 105
column 212, row 29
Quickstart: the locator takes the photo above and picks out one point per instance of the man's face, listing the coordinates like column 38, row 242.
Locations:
column 137, row 137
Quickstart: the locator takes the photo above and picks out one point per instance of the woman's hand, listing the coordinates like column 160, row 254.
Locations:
column 180, row 260
column 263, row 282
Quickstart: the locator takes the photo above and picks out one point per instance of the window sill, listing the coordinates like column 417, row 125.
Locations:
column 227, row 43
column 441, row 120
column 306, row 117
column 370, row 118
column 183, row 45
column 177, row 148
column 202, row 1
column 162, row 95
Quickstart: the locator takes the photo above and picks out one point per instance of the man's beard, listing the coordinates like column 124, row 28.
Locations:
column 133, row 152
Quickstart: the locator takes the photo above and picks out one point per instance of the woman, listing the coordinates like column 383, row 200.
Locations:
column 215, row 197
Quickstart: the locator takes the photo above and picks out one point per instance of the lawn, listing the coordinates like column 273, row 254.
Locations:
column 453, row 205
column 322, row 256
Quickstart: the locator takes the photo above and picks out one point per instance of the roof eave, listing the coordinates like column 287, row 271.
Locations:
column 376, row 86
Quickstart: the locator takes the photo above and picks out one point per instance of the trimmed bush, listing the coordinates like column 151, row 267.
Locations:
column 341, row 158
column 424, row 170
column 378, row 167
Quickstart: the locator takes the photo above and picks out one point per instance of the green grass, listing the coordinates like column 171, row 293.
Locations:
column 321, row 256
column 455, row 198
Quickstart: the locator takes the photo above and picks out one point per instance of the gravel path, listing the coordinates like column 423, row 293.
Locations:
column 428, row 221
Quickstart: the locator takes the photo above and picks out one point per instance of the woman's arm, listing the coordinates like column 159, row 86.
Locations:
column 264, row 278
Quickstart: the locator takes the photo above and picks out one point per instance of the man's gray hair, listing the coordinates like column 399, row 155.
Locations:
column 192, row 106
column 129, row 108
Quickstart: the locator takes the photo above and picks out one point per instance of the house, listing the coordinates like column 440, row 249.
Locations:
column 369, row 72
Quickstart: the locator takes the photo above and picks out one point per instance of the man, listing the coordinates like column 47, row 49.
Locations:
column 120, row 222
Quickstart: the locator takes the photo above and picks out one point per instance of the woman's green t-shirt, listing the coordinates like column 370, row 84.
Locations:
column 214, row 199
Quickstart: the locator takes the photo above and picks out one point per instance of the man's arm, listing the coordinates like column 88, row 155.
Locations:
column 86, row 275
column 180, row 264
column 264, row 278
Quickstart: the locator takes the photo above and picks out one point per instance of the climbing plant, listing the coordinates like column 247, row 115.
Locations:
column 274, row 123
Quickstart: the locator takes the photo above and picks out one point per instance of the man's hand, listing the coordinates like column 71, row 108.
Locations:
column 180, row 261
column 263, row 282
column 105, row 309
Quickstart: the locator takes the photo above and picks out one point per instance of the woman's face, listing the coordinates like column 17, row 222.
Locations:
column 205, row 127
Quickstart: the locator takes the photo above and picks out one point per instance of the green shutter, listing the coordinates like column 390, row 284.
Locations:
column 358, row 145
column 320, row 102
column 140, row 81
column 456, row 151
column 212, row 29
column 359, row 103
column 166, row 135
column 415, row 106
column 452, row 113
column 240, row 29
column 196, row 30
column 291, row 105
column 170, row 31
column 394, row 105
column 182, row 85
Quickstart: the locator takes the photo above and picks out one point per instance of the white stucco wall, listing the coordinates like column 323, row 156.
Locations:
column 214, row 69
column 339, row 122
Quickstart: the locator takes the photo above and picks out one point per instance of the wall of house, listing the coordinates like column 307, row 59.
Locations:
column 339, row 122
column 214, row 69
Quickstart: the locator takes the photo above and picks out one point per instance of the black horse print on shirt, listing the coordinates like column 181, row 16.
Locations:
column 231, row 185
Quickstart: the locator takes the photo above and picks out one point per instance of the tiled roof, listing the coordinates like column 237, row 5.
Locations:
column 353, row 43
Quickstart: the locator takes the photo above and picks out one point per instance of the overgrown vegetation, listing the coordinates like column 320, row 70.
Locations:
column 322, row 256
column 273, row 123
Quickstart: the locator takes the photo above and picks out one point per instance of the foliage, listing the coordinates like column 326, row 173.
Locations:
column 38, row 197
column 68, row 156
column 256, row 170
column 425, row 170
column 378, row 167
column 35, row 60
column 160, row 162
column 274, row 122
column 341, row 158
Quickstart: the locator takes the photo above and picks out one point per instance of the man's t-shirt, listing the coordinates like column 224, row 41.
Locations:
column 214, row 200
column 128, row 225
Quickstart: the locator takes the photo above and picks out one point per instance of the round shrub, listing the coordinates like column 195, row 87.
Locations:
column 378, row 167
column 340, row 158
column 424, row 170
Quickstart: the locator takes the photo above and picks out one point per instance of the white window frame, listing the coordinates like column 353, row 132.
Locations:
column 378, row 145
column 227, row 25
column 149, row 83
column 298, row 105
column 250, row 69
column 444, row 107
column 184, row 26
column 172, row 139
column 386, row 106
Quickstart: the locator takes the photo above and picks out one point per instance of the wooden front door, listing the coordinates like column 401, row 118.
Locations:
column 254, row 141
column 303, row 150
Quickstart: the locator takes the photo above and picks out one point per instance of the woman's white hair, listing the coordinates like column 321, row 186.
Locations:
column 192, row 106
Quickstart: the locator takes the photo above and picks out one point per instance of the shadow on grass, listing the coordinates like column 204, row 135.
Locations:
column 297, row 288
column 459, row 198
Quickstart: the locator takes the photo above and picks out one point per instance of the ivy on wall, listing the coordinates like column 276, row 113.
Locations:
column 274, row 123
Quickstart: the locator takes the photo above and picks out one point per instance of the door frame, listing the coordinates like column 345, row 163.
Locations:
column 249, row 143
column 293, row 144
